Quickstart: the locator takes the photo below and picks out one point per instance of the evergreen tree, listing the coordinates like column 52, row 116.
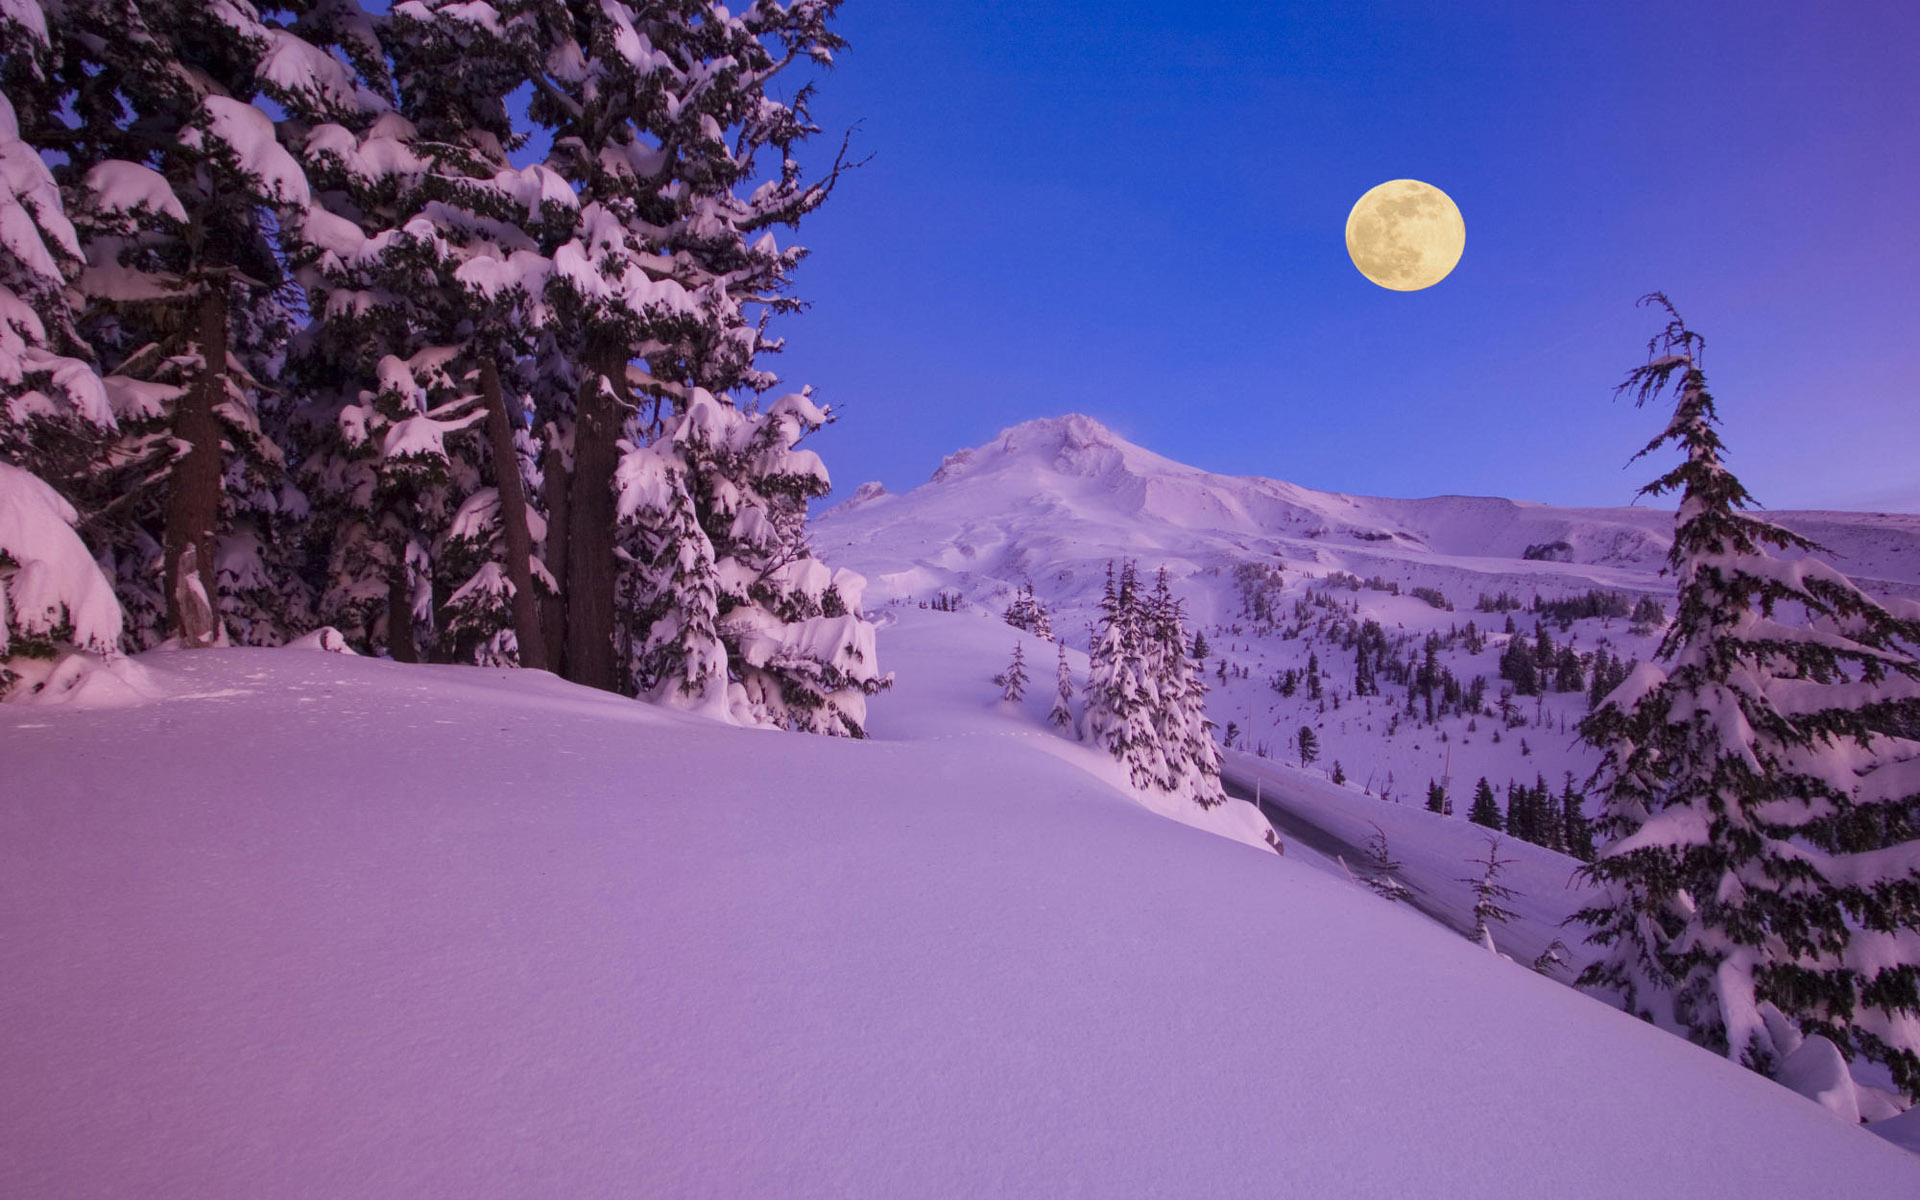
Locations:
column 181, row 186
column 1308, row 745
column 1568, row 677
column 1190, row 759
column 1026, row 612
column 1519, row 818
column 421, row 256
column 1576, row 832
column 1762, row 831
column 1436, row 797
column 1118, row 712
column 1519, row 665
column 1383, row 870
column 1199, row 646
column 1648, row 615
column 54, row 410
column 1490, row 895
column 1144, row 701
column 1015, row 679
column 1061, row 715
column 1485, row 810
column 1548, row 831
column 660, row 120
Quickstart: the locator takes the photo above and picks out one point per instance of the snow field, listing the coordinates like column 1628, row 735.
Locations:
column 319, row 925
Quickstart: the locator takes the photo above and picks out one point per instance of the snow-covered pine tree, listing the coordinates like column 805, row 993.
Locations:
column 1383, row 870
column 1490, row 896
column 1760, row 811
column 53, row 406
column 1120, row 700
column 1188, row 757
column 177, row 183
column 1061, row 714
column 424, row 248
column 659, row 116
column 1014, row 686
column 784, row 628
column 1026, row 612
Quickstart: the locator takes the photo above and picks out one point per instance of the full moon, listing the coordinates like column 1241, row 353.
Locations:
column 1405, row 235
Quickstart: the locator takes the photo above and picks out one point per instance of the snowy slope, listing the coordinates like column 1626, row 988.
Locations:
column 321, row 926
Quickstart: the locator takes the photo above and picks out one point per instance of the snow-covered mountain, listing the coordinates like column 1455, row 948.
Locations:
column 1279, row 577
column 1050, row 501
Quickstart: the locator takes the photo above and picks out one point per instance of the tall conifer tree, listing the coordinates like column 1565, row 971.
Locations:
column 1760, row 814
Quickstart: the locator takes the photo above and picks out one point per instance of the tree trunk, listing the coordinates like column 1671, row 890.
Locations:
column 193, row 493
column 590, row 557
column 400, row 642
column 513, row 517
column 556, row 481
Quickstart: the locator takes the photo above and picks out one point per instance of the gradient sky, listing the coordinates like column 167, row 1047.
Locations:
column 1136, row 209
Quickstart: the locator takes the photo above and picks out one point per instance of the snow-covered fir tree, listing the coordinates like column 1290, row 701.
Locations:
column 1490, row 896
column 661, row 118
column 54, row 414
column 1119, row 705
column 1144, row 701
column 788, row 646
column 1191, row 760
column 1383, row 870
column 1760, row 814
column 1026, row 612
column 1014, row 681
column 1061, row 714
column 53, row 405
column 422, row 257
column 178, row 185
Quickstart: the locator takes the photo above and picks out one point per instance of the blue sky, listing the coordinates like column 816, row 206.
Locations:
column 1135, row 210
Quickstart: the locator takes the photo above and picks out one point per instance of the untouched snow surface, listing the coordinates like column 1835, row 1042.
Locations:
column 316, row 925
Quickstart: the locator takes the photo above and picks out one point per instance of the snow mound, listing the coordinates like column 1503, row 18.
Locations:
column 81, row 680
column 326, row 639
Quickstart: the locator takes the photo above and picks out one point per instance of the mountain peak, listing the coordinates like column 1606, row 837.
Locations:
column 1072, row 444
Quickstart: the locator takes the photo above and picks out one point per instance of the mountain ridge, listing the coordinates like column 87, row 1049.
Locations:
column 1073, row 468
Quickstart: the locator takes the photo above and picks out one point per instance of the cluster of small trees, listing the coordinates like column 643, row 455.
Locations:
column 305, row 332
column 1760, row 811
column 1535, row 665
column 1025, row 611
column 1533, row 814
column 1145, row 702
